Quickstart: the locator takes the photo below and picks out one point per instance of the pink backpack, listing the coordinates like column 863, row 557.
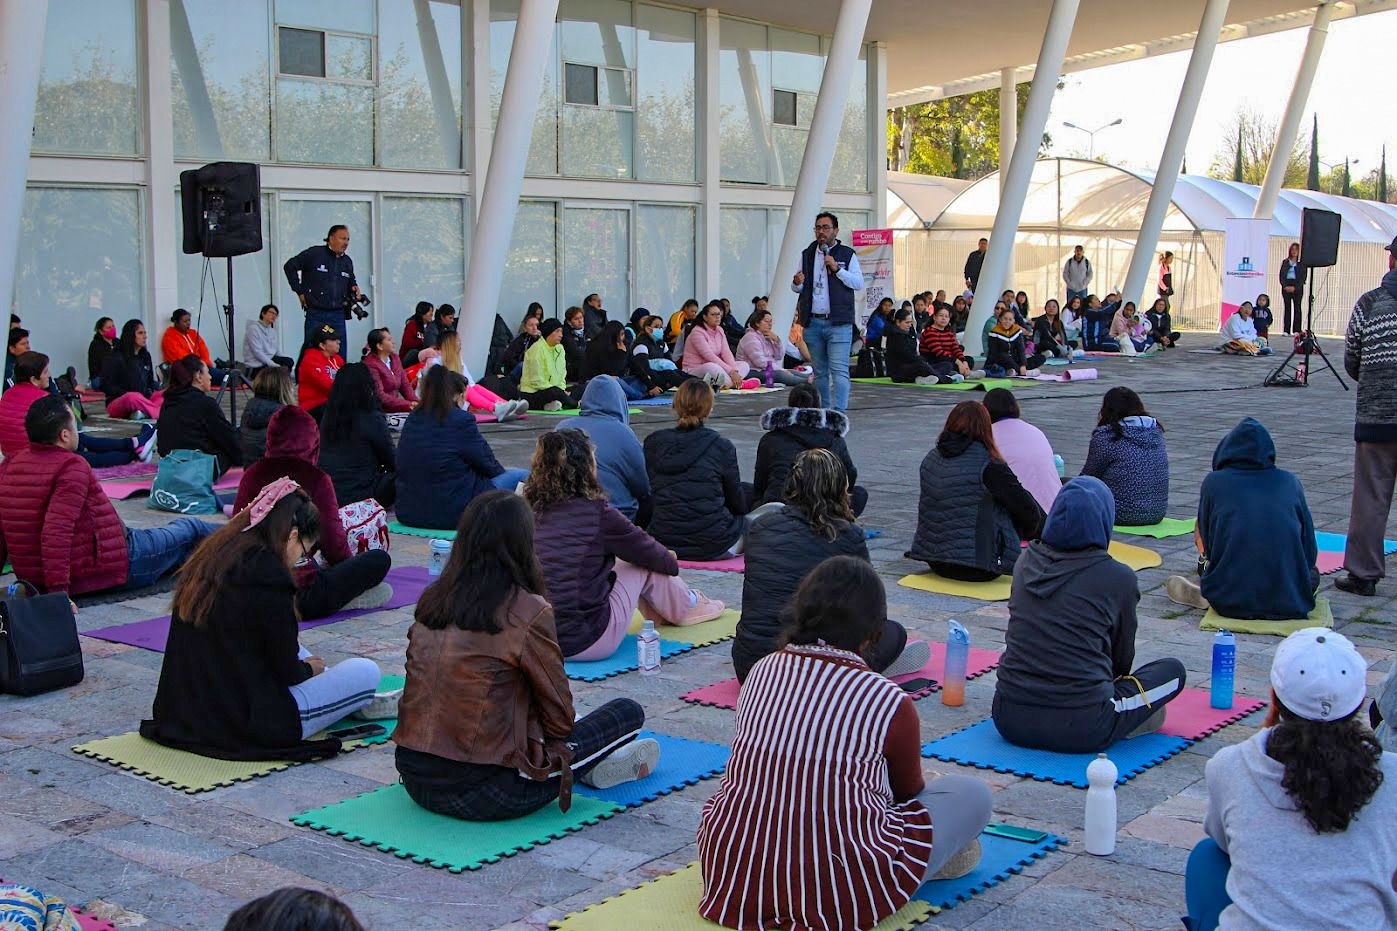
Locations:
column 365, row 526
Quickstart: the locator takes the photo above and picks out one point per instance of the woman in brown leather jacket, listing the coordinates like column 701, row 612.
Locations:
column 485, row 725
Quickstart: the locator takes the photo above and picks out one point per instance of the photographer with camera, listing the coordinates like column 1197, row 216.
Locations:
column 323, row 279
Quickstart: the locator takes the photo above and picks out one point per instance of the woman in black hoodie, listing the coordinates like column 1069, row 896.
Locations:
column 271, row 391
column 190, row 419
column 606, row 354
column 905, row 363
column 649, row 363
column 1049, row 335
column 791, row 431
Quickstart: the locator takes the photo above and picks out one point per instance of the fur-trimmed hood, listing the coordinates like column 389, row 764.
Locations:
column 811, row 418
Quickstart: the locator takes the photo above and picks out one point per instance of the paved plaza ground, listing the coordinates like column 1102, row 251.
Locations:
column 153, row 858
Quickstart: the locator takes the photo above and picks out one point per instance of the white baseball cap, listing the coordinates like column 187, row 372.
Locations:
column 1319, row 675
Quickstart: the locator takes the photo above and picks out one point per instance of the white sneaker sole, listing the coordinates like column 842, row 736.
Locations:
column 384, row 707
column 630, row 763
column 915, row 655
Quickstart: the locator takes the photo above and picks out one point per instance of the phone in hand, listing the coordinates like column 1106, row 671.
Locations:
column 359, row 732
column 917, row 685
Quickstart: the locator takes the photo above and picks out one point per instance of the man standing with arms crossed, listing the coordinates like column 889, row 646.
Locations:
column 829, row 275
column 973, row 263
column 323, row 279
column 1076, row 274
column 1370, row 357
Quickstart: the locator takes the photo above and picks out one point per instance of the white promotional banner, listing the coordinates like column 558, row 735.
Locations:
column 875, row 251
column 1244, row 262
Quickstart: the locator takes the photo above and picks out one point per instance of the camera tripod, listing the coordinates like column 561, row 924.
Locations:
column 1307, row 346
column 232, row 375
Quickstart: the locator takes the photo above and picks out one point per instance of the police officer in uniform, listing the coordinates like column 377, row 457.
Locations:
column 323, row 279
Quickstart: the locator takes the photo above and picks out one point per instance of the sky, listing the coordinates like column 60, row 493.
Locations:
column 1349, row 93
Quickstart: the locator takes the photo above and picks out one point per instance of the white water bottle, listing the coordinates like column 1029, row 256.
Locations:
column 647, row 645
column 1100, row 826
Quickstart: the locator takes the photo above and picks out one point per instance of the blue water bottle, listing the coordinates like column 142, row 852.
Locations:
column 957, row 658
column 1060, row 466
column 1224, row 668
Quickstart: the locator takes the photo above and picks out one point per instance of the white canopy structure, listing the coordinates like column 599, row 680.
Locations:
column 1073, row 201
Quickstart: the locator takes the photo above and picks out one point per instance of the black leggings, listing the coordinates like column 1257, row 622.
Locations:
column 1292, row 317
column 962, row 573
column 539, row 399
column 338, row 585
column 908, row 372
column 892, row 640
column 1094, row 728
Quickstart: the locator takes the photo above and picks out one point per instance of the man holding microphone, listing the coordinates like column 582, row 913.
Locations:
column 323, row 279
column 829, row 275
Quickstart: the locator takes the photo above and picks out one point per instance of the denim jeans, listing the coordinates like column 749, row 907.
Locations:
column 829, row 347
column 1205, row 885
column 155, row 551
column 104, row 451
column 316, row 317
column 634, row 388
column 1082, row 294
column 509, row 479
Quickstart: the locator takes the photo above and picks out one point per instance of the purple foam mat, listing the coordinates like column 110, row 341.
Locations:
column 408, row 584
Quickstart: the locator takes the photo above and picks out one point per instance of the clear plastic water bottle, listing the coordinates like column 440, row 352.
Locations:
column 1061, row 466
column 957, row 658
column 647, row 645
column 1100, row 822
column 1224, row 668
column 441, row 551
column 770, row 377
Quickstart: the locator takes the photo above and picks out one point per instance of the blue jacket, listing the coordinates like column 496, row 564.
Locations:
column 442, row 466
column 1257, row 531
column 841, row 296
column 1135, row 466
column 605, row 417
column 323, row 277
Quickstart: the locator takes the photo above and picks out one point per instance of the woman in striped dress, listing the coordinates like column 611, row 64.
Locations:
column 823, row 819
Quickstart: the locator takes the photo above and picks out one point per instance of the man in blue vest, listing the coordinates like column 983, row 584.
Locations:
column 323, row 279
column 828, row 277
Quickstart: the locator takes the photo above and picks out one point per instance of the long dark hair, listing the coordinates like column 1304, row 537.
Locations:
column 563, row 468
column 294, row 908
column 756, row 317
column 819, row 486
column 440, row 388
column 492, row 557
column 374, row 340
column 970, row 419
column 1332, row 768
column 601, row 348
column 420, row 313
column 204, row 576
column 1119, row 403
column 353, row 393
column 126, row 342
column 184, row 371
column 841, row 602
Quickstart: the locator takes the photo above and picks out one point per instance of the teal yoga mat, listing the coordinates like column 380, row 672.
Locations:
column 395, row 527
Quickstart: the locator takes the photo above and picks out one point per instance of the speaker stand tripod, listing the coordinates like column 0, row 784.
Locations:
column 1309, row 346
column 232, row 375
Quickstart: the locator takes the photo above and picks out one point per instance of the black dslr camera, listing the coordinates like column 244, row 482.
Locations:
column 356, row 305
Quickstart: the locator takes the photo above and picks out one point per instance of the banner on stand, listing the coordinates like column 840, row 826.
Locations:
column 1248, row 243
column 875, row 251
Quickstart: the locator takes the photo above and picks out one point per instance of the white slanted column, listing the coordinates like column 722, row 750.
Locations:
column 1008, row 120
column 533, row 37
column 819, row 154
column 709, row 278
column 475, row 35
column 1294, row 109
column 1172, row 159
column 191, row 78
column 994, row 274
column 21, row 49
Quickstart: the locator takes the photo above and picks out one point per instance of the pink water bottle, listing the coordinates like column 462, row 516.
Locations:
column 770, row 376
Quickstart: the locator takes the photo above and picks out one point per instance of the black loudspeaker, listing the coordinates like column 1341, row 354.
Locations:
column 1319, row 238
column 222, row 207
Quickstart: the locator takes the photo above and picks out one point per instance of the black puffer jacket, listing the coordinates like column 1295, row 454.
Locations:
column 699, row 498
column 190, row 419
column 252, row 432
column 356, row 464
column 790, row 432
column 781, row 548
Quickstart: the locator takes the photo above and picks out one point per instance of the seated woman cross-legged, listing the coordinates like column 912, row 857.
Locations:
column 1067, row 681
column 1127, row 452
column 905, row 364
column 598, row 565
column 707, row 353
column 1005, row 346
column 443, row 460
column 33, row 383
column 973, row 512
column 940, row 349
column 129, row 379
column 486, row 728
column 841, row 831
column 356, row 450
column 190, row 419
column 761, row 347
column 544, row 382
column 608, row 354
column 395, row 391
column 783, row 546
column 234, row 684
column 272, row 390
column 1024, row 447
column 792, row 430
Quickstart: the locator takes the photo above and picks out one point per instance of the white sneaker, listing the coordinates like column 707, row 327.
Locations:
column 553, row 406
column 976, row 374
column 957, row 378
column 928, row 380
column 521, row 407
column 384, row 707
column 147, row 452
column 915, row 655
column 504, row 410
column 1032, row 373
column 1181, row 591
column 630, row 763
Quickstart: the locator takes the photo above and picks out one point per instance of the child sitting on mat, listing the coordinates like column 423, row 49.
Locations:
column 1248, row 506
column 1066, row 681
column 598, row 565
column 486, row 728
column 234, row 685
column 1302, row 817
column 782, row 547
column 823, row 818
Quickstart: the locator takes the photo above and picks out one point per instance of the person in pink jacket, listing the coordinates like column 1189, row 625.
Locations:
column 706, row 351
column 394, row 389
column 760, row 346
column 1024, row 448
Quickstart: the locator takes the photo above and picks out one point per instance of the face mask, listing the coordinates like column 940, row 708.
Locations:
column 109, row 332
column 657, row 332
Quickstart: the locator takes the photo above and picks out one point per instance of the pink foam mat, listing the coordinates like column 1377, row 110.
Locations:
column 92, row 922
column 1192, row 716
column 121, row 490
column 130, row 470
column 1329, row 562
column 724, row 694
column 731, row 564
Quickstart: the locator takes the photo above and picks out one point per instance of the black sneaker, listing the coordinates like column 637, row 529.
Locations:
column 67, row 383
column 1356, row 586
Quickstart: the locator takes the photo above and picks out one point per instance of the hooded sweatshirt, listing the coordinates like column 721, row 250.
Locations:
column 1238, row 328
column 1256, row 823
column 1370, row 357
column 699, row 495
column 1071, row 609
column 1257, row 531
column 605, row 417
column 1135, row 466
column 790, row 432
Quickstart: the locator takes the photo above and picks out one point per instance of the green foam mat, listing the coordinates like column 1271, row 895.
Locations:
column 970, row 384
column 405, row 530
column 1321, row 616
column 388, row 820
column 1168, row 527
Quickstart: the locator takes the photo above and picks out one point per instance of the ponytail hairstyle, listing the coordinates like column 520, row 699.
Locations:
column 693, row 402
column 840, row 603
column 184, row 371
column 819, row 486
column 1332, row 768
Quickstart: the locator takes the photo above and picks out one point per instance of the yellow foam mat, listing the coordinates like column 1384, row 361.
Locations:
column 1321, row 616
column 722, row 627
column 671, row 903
column 996, row 590
column 1136, row 557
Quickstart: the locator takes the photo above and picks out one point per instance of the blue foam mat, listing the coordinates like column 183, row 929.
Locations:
column 1335, row 542
column 871, row 534
column 980, row 745
column 1003, row 857
column 663, row 400
column 682, row 763
column 623, row 660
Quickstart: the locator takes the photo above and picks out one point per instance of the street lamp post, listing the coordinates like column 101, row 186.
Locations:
column 1348, row 162
column 1091, row 134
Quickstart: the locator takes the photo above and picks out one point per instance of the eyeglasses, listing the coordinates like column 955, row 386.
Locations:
column 823, row 226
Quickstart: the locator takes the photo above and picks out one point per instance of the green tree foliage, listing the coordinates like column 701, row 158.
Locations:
column 956, row 138
column 1250, row 140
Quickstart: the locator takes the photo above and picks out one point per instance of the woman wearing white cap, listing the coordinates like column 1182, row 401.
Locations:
column 1302, row 818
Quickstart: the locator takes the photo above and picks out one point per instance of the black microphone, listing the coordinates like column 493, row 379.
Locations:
column 824, row 249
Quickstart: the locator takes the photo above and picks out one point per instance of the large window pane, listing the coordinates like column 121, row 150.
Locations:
column 599, row 143
column 664, row 118
column 79, row 260
column 419, row 86
column 543, row 147
column 324, row 123
column 88, row 84
column 597, row 257
column 849, row 170
column 796, row 66
column 424, row 255
column 342, row 15
column 744, row 66
column 531, row 271
column 664, row 275
column 220, row 71
column 303, row 223
column 203, row 284
column 745, row 267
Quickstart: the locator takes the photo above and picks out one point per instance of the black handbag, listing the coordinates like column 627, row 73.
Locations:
column 39, row 649
column 871, row 362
